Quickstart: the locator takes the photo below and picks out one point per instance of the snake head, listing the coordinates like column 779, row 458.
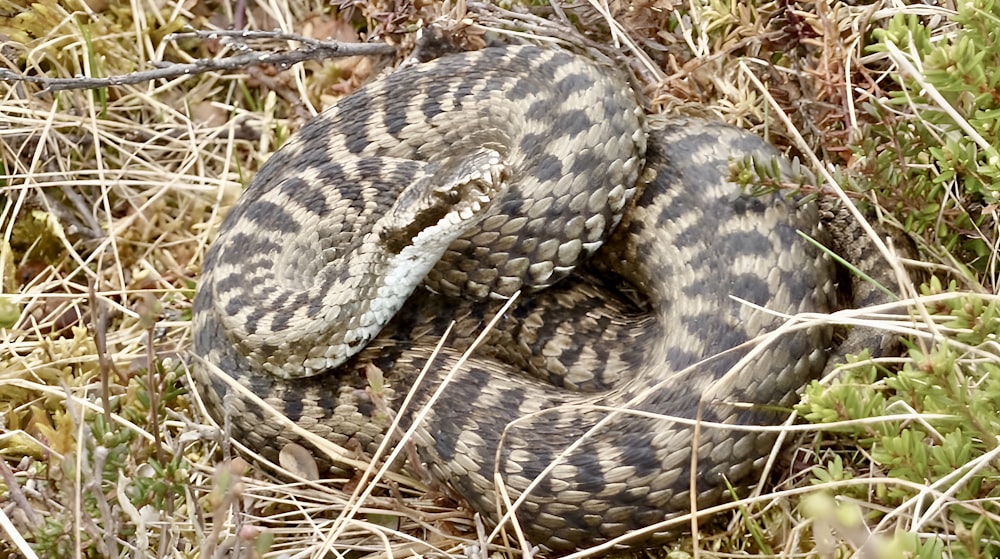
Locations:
column 446, row 201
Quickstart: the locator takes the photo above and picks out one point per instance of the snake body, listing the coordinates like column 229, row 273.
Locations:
column 579, row 396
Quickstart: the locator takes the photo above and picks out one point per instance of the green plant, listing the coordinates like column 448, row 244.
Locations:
column 939, row 461
column 931, row 146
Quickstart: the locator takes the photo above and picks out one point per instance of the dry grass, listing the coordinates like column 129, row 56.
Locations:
column 111, row 196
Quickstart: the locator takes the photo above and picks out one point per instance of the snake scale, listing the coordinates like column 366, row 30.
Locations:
column 479, row 174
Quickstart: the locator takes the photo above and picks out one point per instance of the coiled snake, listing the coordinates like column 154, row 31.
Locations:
column 481, row 174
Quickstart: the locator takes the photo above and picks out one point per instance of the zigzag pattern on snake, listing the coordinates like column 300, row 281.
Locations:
column 511, row 165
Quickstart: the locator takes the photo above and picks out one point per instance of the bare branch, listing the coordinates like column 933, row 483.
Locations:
column 312, row 49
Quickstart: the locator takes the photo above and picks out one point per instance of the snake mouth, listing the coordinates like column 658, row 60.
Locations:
column 444, row 204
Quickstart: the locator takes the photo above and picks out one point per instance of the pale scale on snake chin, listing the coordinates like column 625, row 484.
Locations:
column 503, row 170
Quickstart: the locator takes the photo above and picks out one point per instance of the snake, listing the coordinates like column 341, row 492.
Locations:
column 637, row 295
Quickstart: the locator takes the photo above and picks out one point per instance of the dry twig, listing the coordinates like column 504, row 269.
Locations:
column 312, row 49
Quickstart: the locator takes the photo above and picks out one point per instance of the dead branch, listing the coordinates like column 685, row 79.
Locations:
column 311, row 49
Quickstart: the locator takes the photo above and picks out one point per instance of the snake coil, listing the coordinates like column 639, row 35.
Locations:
column 480, row 174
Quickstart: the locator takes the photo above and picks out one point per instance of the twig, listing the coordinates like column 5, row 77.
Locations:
column 149, row 313
column 244, row 36
column 312, row 50
column 15, row 537
column 98, row 325
column 16, row 494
